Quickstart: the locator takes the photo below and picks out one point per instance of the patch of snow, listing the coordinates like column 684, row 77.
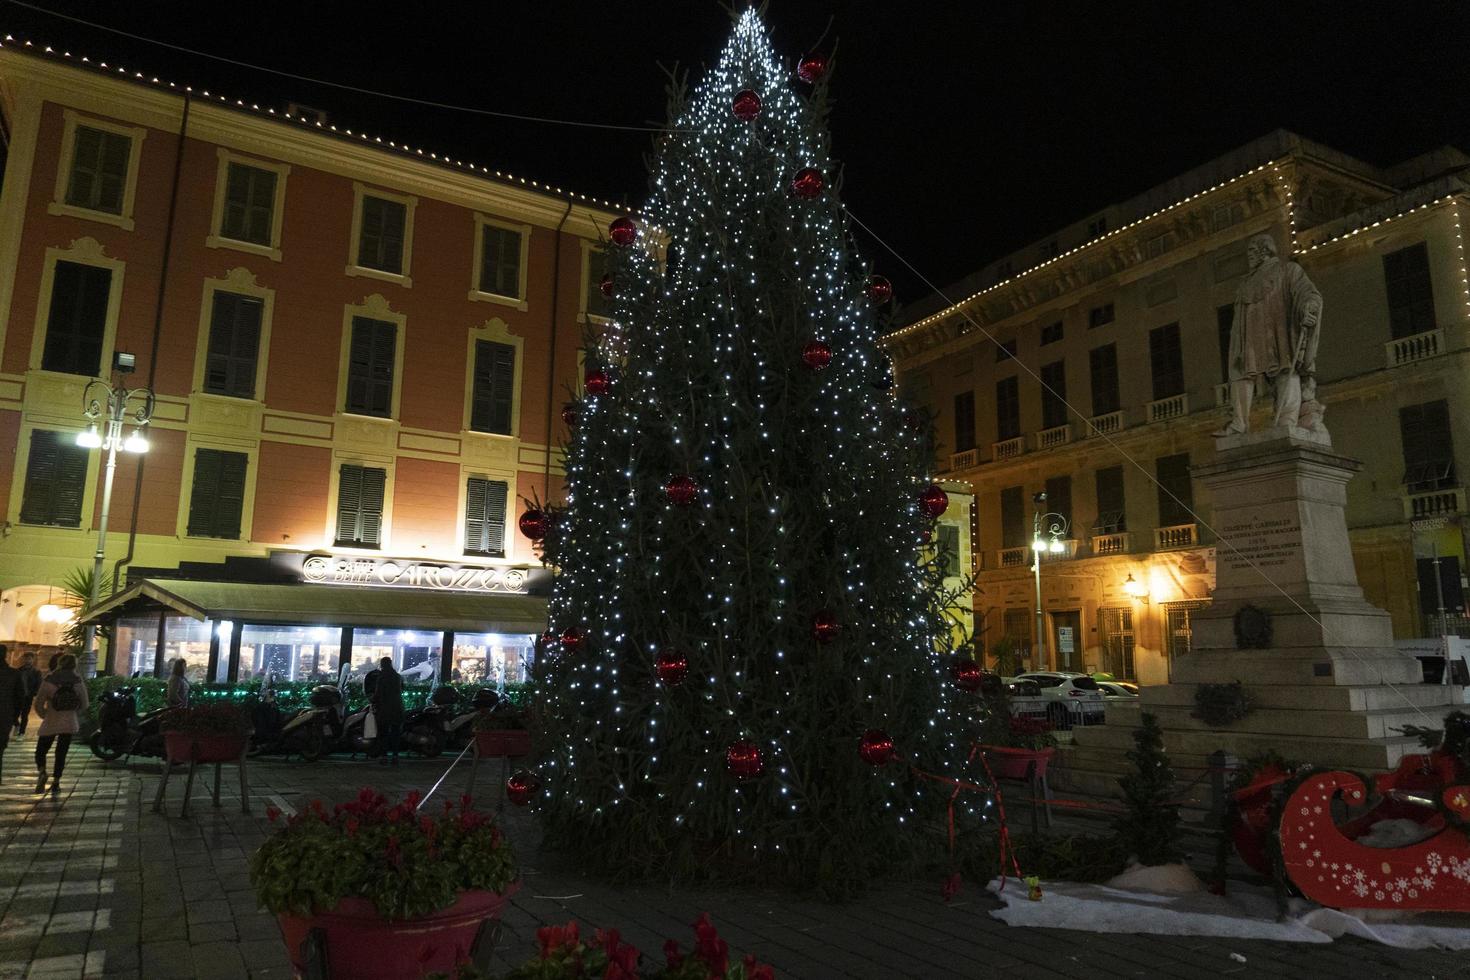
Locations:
column 1161, row 879
column 1396, row 833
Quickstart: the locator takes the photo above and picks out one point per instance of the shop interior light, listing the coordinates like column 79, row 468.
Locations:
column 89, row 439
column 135, row 443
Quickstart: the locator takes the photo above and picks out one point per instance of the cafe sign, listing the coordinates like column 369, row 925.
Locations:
column 393, row 573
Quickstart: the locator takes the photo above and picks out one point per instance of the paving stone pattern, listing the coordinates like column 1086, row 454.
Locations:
column 93, row 883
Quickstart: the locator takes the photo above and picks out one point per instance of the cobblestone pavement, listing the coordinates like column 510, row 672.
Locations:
column 93, row 883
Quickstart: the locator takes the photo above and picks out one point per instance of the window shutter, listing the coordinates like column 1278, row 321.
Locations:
column 500, row 261
column 373, row 482
column 233, row 223
column 384, row 338
column 349, row 503
column 245, row 345
column 491, row 402
column 77, row 320
column 495, row 494
column 249, row 204
column 205, row 495
column 40, row 488
column 474, row 516
column 231, row 504
column 262, row 205
column 359, row 364
column 71, row 483
column 484, row 528
column 85, row 163
column 112, row 174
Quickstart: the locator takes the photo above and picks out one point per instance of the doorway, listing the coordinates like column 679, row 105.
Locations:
column 1066, row 639
column 1117, row 629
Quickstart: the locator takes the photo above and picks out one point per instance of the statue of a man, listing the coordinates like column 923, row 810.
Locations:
column 1274, row 335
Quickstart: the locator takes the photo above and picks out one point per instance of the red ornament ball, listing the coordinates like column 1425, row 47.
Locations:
column 522, row 786
column 811, row 67
column 743, row 760
column 548, row 643
column 825, row 627
column 672, row 666
column 622, row 231
column 605, row 285
column 572, row 639
column 966, row 674
column 571, row 414
column 681, row 490
column 747, row 105
column 816, row 355
column 807, row 183
column 879, row 290
column 876, row 748
column 534, row 523
column 598, row 382
column 933, row 501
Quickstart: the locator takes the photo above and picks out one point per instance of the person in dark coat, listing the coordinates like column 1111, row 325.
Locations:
column 12, row 696
column 387, row 699
column 31, row 680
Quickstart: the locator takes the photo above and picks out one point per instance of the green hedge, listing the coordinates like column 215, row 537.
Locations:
column 150, row 693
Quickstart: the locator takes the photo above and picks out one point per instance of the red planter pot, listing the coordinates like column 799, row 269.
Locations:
column 362, row 945
column 505, row 742
column 184, row 747
column 1008, row 763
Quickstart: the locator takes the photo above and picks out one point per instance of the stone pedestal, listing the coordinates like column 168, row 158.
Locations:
column 1329, row 687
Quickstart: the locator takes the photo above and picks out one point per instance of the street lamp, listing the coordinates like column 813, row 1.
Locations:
column 1056, row 531
column 107, row 411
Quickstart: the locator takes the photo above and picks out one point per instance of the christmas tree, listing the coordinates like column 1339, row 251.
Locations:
column 747, row 669
column 1149, row 829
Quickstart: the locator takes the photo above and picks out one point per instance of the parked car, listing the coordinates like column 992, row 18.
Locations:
column 1118, row 692
column 1071, row 699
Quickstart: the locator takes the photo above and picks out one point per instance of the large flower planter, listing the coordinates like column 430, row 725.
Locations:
column 509, row 742
column 362, row 945
column 187, row 747
column 1009, row 763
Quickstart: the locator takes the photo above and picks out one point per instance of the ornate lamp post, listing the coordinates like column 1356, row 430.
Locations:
column 1055, row 533
column 108, row 410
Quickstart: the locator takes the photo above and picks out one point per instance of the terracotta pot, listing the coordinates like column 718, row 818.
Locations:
column 187, row 747
column 1009, row 763
column 504, row 742
column 362, row 945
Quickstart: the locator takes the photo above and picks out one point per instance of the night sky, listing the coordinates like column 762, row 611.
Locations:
column 967, row 129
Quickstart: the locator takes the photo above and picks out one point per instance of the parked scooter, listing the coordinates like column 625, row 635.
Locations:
column 426, row 730
column 120, row 731
column 309, row 732
column 459, row 729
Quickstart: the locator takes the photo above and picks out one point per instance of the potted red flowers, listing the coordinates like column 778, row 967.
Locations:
column 206, row 733
column 502, row 733
column 1015, row 747
column 370, row 890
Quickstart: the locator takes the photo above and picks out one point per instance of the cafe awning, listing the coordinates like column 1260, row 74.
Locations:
column 328, row 605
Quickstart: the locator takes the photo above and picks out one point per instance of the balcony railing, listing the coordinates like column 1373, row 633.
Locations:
column 1407, row 350
column 1178, row 536
column 1069, row 550
column 1014, row 557
column 1106, row 425
column 1434, row 503
column 1164, row 409
column 1111, row 544
column 1009, row 448
column 1058, row 435
column 964, row 460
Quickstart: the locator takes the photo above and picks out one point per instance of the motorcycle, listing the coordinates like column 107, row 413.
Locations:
column 120, row 731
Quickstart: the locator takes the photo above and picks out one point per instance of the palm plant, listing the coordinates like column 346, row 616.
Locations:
column 77, row 585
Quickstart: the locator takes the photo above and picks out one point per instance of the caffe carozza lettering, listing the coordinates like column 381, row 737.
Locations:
column 385, row 572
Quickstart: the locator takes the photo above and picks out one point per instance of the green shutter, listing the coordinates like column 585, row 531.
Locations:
column 218, row 497
column 484, row 522
column 474, row 516
column 495, row 494
column 360, row 505
column 203, row 497
column 380, row 240
column 500, row 261
column 234, row 343
column 370, row 367
column 99, row 170
column 491, row 401
column 231, row 506
column 56, row 481
column 349, row 503
column 373, row 483
column 77, row 319
column 250, row 196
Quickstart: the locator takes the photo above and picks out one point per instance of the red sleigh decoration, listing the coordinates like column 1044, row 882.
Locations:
column 1330, row 867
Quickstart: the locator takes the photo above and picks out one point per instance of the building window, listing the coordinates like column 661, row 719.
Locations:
column 1224, row 317
column 250, row 204
column 1047, row 251
column 1100, row 315
column 500, row 261
column 1410, row 293
column 1018, row 625
column 1005, row 350
column 1051, row 333
column 360, row 506
column 234, row 345
column 77, row 322
column 56, row 481
column 1059, row 498
column 1166, row 359
column 593, row 302
column 1013, row 517
column 99, row 170
column 1112, row 509
column 1179, row 630
column 370, row 367
column 218, row 497
column 1104, row 364
column 1007, row 409
column 494, row 385
column 1053, row 394
column 380, row 239
column 949, row 548
column 1096, row 228
column 1117, row 636
column 1176, row 491
column 1429, row 449
column 484, row 517
column 964, row 421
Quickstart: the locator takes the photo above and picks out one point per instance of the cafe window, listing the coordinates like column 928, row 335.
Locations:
column 187, row 639
column 135, row 646
column 415, row 653
column 360, row 493
column 290, row 653
column 484, row 517
column 492, row 658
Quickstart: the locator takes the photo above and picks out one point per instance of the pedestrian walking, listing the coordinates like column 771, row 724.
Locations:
column 177, row 693
column 31, row 680
column 59, row 702
column 12, row 694
column 387, row 698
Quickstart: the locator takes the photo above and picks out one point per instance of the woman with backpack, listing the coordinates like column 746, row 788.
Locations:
column 59, row 702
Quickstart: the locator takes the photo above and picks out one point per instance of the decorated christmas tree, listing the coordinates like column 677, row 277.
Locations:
column 751, row 666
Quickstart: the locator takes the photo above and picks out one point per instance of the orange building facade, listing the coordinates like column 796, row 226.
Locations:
column 359, row 354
